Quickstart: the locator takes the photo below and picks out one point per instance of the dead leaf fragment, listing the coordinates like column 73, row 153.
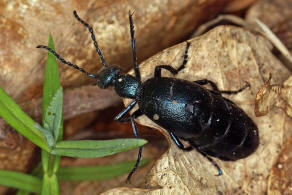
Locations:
column 238, row 5
column 270, row 96
column 280, row 181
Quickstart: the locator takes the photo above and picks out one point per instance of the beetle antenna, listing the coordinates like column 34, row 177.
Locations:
column 132, row 31
column 92, row 37
column 66, row 62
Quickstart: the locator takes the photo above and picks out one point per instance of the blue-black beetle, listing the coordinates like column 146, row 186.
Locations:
column 212, row 124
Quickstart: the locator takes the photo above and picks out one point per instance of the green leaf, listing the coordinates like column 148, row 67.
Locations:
column 47, row 133
column 22, row 192
column 20, row 181
column 90, row 173
column 95, row 148
column 20, row 121
column 54, row 114
column 50, row 185
column 52, row 81
column 52, row 106
column 51, row 86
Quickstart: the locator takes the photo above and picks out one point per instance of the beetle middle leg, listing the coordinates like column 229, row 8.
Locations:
column 216, row 90
column 157, row 72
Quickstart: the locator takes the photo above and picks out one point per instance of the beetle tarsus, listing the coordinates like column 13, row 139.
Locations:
column 157, row 71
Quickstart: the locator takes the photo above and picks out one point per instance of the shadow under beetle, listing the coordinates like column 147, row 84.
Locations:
column 212, row 124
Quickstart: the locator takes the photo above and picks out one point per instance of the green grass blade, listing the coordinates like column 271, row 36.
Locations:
column 95, row 148
column 20, row 121
column 52, row 96
column 54, row 115
column 20, row 181
column 22, row 192
column 90, row 173
column 50, row 185
column 51, row 86
column 47, row 133
column 52, row 81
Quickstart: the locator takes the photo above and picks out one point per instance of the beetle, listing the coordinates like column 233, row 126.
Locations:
column 209, row 122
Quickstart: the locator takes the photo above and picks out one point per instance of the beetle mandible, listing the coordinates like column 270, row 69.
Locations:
column 210, row 123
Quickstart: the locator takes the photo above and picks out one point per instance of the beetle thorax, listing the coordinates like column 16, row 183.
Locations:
column 126, row 86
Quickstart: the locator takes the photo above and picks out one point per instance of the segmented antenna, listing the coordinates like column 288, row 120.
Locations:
column 92, row 37
column 66, row 62
column 132, row 31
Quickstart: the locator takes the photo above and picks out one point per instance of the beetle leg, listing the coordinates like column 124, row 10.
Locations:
column 136, row 133
column 125, row 111
column 178, row 143
column 132, row 32
column 157, row 72
column 216, row 90
column 127, row 119
column 237, row 91
column 206, row 81
column 212, row 161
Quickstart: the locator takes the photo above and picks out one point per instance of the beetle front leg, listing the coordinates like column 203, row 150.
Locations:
column 136, row 133
column 157, row 72
column 124, row 112
column 136, row 114
column 178, row 143
column 127, row 119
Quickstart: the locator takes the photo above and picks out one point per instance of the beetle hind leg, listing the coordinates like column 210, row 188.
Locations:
column 212, row 161
column 216, row 90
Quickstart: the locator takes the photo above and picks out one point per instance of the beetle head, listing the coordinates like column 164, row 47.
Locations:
column 107, row 76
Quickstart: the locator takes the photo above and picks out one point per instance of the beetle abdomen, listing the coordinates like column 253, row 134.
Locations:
column 238, row 140
column 211, row 123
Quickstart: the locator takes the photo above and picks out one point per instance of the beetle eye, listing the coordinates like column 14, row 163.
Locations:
column 107, row 75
